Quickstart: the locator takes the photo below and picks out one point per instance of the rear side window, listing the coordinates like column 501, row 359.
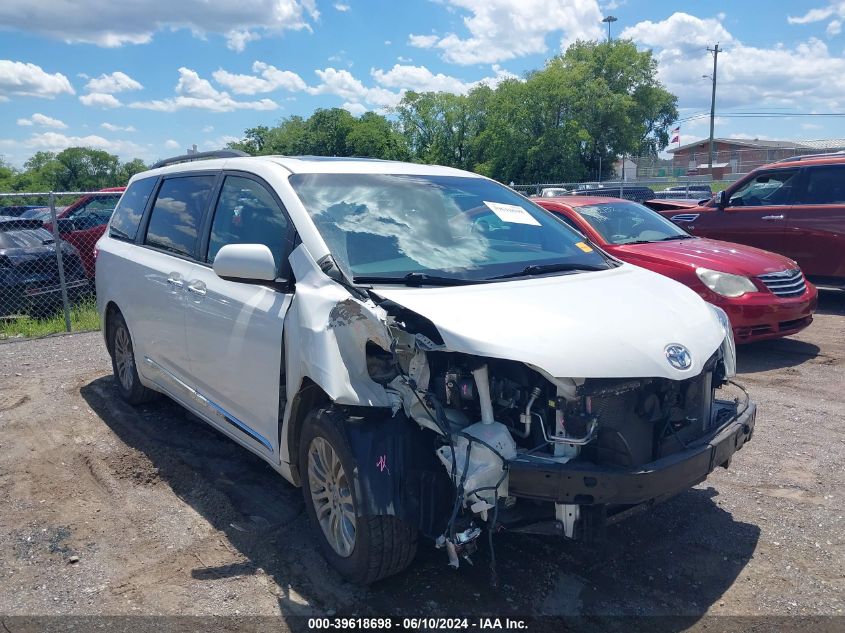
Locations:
column 177, row 213
column 825, row 185
column 246, row 213
column 127, row 215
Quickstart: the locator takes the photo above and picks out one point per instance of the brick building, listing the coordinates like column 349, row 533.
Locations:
column 739, row 156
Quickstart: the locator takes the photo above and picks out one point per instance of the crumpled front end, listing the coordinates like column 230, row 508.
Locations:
column 457, row 441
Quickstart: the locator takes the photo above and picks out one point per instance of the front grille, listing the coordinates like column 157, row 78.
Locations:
column 787, row 283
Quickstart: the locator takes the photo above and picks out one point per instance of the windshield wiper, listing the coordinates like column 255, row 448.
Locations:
column 682, row 236
column 414, row 279
column 541, row 269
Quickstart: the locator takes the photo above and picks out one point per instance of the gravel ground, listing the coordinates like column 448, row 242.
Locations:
column 113, row 510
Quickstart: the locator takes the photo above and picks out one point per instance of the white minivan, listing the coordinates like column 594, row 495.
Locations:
column 421, row 349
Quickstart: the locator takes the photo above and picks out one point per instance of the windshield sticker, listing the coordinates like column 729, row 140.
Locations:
column 511, row 213
column 584, row 247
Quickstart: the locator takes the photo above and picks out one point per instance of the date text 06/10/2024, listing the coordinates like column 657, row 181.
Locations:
column 375, row 624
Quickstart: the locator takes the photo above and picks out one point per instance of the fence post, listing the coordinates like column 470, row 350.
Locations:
column 57, row 242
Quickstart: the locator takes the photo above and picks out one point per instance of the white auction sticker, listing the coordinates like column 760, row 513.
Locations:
column 511, row 213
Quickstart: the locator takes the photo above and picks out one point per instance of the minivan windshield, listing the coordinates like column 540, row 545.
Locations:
column 625, row 222
column 383, row 227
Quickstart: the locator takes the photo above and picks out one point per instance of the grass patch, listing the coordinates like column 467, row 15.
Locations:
column 83, row 316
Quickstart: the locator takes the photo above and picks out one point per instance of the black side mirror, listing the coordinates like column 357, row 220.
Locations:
column 66, row 225
column 721, row 200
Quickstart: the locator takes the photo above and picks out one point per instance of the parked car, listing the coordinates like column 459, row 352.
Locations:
column 704, row 189
column 40, row 213
column 84, row 222
column 795, row 208
column 628, row 192
column 551, row 192
column 16, row 210
column 421, row 349
column 29, row 271
column 764, row 294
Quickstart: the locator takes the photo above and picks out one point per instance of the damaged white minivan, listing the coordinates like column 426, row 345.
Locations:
column 421, row 349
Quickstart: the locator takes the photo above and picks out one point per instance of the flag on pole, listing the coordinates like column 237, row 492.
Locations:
column 676, row 135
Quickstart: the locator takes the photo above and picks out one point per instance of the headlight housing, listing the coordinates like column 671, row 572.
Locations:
column 728, row 344
column 725, row 284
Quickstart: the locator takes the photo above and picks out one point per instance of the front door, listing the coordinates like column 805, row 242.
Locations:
column 163, row 268
column 755, row 213
column 235, row 328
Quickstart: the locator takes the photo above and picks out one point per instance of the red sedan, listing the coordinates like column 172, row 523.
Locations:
column 764, row 294
column 84, row 222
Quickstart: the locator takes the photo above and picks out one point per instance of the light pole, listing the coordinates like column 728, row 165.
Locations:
column 610, row 20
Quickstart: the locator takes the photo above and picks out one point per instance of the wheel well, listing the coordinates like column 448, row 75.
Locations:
column 309, row 396
column 111, row 310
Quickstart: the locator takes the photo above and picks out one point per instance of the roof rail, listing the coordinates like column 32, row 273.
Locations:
column 185, row 158
column 811, row 156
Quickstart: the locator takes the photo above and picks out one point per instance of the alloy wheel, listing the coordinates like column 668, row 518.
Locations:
column 331, row 495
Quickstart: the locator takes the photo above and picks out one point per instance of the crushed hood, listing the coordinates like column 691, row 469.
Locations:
column 606, row 324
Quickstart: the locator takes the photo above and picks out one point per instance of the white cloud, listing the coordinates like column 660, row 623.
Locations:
column 100, row 100
column 117, row 128
column 219, row 142
column 421, row 79
column 679, row 32
column 834, row 28
column 269, row 79
column 820, row 14
column 20, row 79
column 43, row 120
column 355, row 109
column 806, row 75
column 113, row 24
column 54, row 141
column 342, row 7
column 192, row 91
column 343, row 84
column 208, row 128
column 422, row 41
column 112, row 83
column 171, row 144
column 508, row 29
column 387, row 42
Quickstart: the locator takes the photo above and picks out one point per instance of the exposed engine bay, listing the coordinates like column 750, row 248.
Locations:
column 488, row 415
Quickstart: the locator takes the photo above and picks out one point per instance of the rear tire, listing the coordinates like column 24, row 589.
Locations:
column 123, row 363
column 362, row 549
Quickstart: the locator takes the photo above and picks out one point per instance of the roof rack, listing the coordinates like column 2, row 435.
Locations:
column 811, row 156
column 185, row 158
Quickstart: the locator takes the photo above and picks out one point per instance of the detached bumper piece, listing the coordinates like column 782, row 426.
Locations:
column 583, row 483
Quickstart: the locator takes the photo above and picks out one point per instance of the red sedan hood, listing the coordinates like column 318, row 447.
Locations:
column 705, row 253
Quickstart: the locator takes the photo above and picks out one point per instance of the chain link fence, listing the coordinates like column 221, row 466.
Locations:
column 47, row 259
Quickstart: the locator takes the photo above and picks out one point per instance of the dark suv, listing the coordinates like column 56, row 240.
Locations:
column 794, row 207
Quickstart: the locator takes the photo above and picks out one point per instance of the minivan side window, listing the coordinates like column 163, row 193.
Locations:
column 825, row 185
column 127, row 215
column 177, row 213
column 247, row 213
column 766, row 189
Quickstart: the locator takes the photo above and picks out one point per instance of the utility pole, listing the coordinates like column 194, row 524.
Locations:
column 715, row 50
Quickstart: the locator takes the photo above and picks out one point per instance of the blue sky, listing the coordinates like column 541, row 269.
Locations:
column 149, row 79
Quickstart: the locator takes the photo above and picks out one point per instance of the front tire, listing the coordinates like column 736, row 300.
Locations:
column 123, row 363
column 361, row 548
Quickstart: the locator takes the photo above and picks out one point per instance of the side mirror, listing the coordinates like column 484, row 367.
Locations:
column 245, row 262
column 722, row 199
column 66, row 225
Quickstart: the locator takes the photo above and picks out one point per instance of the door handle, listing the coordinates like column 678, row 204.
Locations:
column 772, row 217
column 197, row 287
column 175, row 281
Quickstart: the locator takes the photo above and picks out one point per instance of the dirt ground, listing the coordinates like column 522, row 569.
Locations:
column 108, row 509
